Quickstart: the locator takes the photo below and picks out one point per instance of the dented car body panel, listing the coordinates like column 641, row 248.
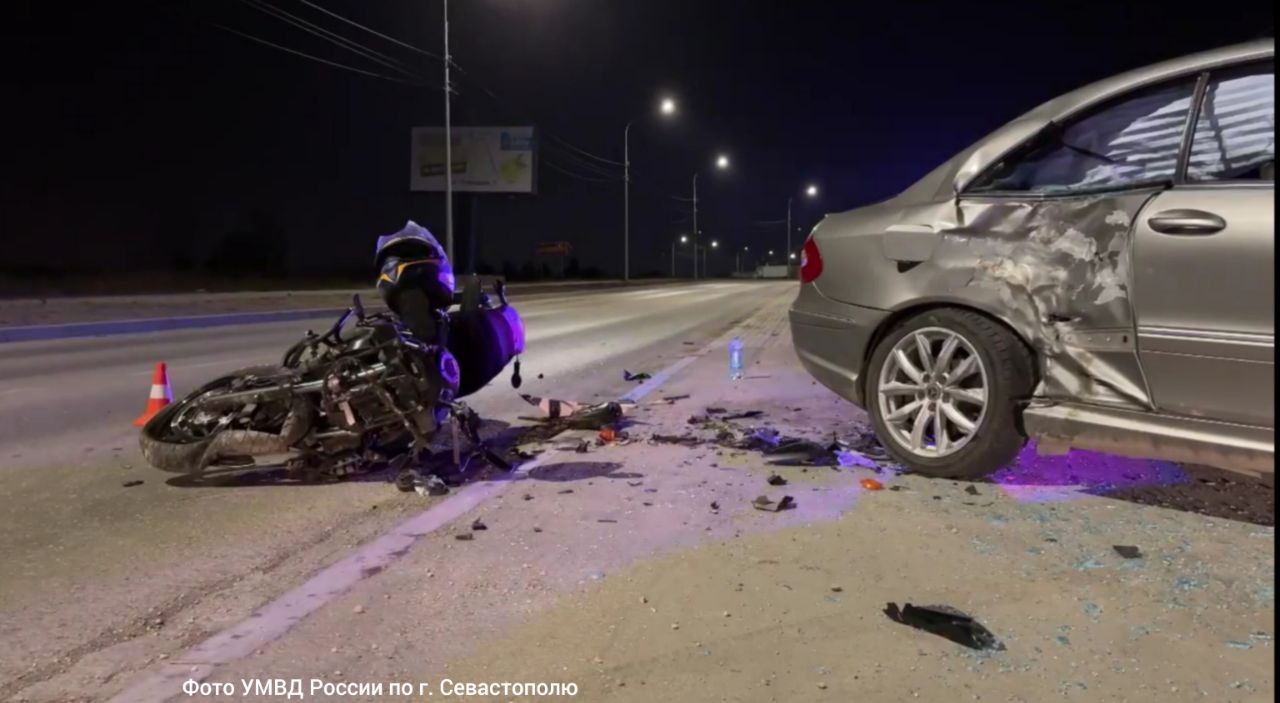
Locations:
column 1123, row 320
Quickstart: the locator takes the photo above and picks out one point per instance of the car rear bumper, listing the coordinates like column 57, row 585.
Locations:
column 832, row 340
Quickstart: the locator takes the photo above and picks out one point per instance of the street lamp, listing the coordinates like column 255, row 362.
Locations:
column 706, row 251
column 810, row 191
column 666, row 108
column 684, row 239
column 722, row 163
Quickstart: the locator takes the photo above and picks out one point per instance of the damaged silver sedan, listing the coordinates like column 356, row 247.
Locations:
column 1098, row 273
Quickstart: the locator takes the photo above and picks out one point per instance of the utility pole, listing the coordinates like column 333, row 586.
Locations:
column 786, row 254
column 448, row 144
column 626, row 203
column 695, row 225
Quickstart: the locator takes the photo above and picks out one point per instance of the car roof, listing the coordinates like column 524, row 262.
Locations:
column 1099, row 91
column 977, row 157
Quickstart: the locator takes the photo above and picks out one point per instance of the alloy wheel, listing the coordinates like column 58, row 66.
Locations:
column 932, row 392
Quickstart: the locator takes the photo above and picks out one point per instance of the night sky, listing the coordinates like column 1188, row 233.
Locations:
column 141, row 136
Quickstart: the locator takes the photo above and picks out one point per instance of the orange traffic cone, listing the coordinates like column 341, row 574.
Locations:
column 161, row 394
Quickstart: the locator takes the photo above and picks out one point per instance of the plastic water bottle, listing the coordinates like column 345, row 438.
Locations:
column 735, row 359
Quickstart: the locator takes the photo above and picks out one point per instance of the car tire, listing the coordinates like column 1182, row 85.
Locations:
column 993, row 433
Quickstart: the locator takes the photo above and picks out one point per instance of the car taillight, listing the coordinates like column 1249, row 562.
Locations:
column 810, row 261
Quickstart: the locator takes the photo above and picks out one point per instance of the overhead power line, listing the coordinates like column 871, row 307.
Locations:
column 304, row 55
column 494, row 96
column 374, row 32
column 553, row 166
column 333, row 38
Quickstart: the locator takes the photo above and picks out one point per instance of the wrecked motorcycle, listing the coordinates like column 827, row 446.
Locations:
column 366, row 391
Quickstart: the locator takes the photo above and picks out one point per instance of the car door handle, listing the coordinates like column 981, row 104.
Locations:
column 1186, row 221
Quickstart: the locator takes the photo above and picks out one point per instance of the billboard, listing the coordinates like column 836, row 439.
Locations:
column 485, row 159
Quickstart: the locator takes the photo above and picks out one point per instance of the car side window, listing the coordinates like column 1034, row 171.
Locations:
column 1235, row 135
column 1131, row 141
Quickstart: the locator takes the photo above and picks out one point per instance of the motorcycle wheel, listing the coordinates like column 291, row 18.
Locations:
column 169, row 445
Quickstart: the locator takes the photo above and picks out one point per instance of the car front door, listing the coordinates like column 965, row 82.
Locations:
column 1204, row 261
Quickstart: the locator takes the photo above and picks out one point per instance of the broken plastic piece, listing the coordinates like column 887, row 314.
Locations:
column 744, row 415
column 1127, row 551
column 848, row 457
column 628, row 376
column 945, row 621
column 464, row 537
column 131, row 484
column 551, row 407
column 871, row 484
column 595, row 417
column 766, row 436
column 477, row 526
column 608, row 435
column 971, row 490
column 430, row 486
column 776, row 480
column 767, row 504
column 687, row 440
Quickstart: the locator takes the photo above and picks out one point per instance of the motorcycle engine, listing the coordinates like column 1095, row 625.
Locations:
column 409, row 382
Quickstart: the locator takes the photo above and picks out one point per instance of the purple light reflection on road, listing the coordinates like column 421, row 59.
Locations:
column 1037, row 479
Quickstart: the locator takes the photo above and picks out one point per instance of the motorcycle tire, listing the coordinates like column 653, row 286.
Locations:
column 168, row 453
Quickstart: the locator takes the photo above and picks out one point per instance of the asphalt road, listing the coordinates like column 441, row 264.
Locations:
column 92, row 565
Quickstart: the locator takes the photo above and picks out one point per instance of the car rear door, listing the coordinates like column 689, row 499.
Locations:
column 1204, row 266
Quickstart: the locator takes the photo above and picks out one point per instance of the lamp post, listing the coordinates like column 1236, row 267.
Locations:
column 722, row 163
column 666, row 107
column 683, row 239
column 810, row 191
column 448, row 145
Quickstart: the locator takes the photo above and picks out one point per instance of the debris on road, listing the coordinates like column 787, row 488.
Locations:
column 464, row 537
column 673, row 398
column 430, row 486
column 776, row 480
column 687, row 440
column 945, row 621
column 637, row 377
column 607, row 520
column 131, row 484
column 1127, row 551
column 608, row 435
column 715, row 411
column 715, row 505
column 971, row 490
column 849, row 457
column 551, row 407
column 478, row 525
column 767, row 504
column 744, row 415
column 871, row 484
